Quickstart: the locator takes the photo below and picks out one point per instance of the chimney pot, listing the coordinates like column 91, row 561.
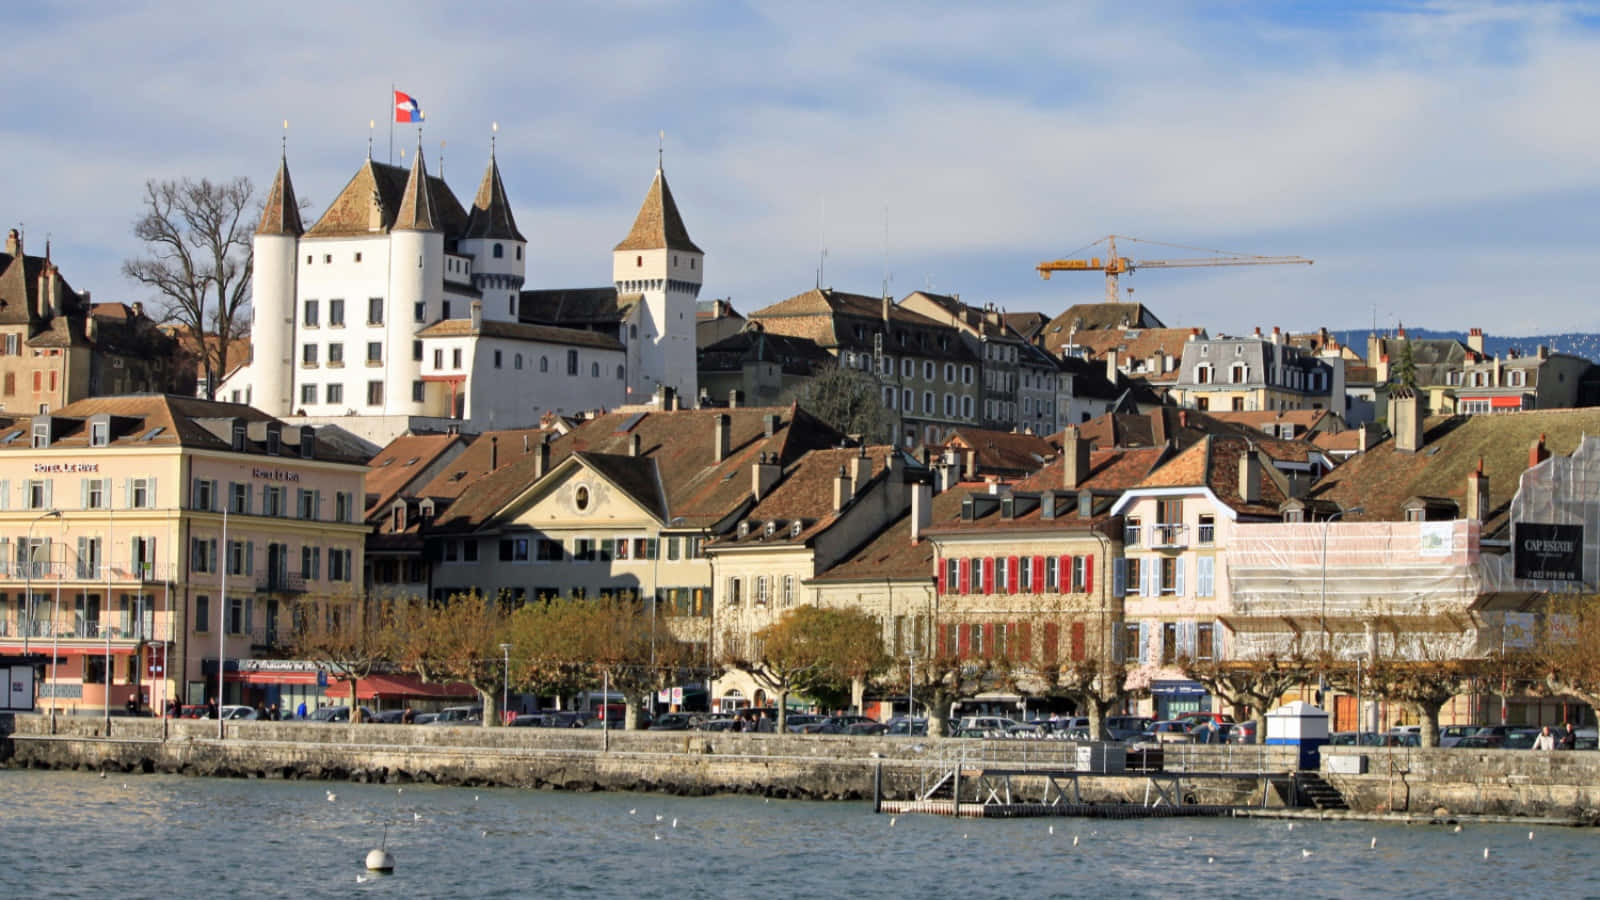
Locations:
column 921, row 509
column 494, row 453
column 1249, row 476
column 720, row 441
column 1074, row 458
column 542, row 461
column 477, row 315
column 635, row 444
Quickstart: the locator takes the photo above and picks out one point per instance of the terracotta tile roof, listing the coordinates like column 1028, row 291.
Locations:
column 1101, row 316
column 1302, row 419
column 987, row 322
column 891, row 555
column 639, row 479
column 474, row 462
column 1214, row 463
column 1003, row 452
column 1163, row 424
column 658, row 225
column 831, row 319
column 1110, row 471
column 281, row 212
column 1360, row 375
column 805, row 493
column 370, row 204
column 416, row 202
column 19, row 290
column 401, row 462
column 166, row 420
column 698, row 489
column 491, row 216
column 990, row 518
column 1130, row 343
column 1383, row 478
column 798, row 356
column 518, row 331
column 1348, row 440
column 1027, row 324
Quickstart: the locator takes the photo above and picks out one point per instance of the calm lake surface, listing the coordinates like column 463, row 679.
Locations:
column 71, row 834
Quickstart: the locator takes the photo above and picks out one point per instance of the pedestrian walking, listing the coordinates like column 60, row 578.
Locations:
column 300, row 711
column 1569, row 738
column 1545, row 740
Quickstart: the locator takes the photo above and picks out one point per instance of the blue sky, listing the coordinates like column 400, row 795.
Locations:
column 1435, row 159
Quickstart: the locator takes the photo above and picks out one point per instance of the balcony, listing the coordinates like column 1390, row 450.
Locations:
column 280, row 583
column 117, row 571
column 1169, row 536
column 1207, row 534
column 1130, row 536
column 71, row 626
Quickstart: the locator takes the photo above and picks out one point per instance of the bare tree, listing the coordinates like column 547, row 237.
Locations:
column 1566, row 657
column 1253, row 683
column 1098, row 686
column 199, row 262
column 846, row 399
column 460, row 640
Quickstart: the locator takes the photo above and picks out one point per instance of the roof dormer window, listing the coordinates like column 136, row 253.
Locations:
column 99, row 433
column 238, row 437
column 41, row 435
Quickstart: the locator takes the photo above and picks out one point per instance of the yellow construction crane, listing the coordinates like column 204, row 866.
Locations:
column 1114, row 265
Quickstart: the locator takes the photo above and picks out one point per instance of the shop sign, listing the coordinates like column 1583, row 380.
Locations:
column 274, row 474
column 1546, row 552
column 65, row 468
column 277, row 665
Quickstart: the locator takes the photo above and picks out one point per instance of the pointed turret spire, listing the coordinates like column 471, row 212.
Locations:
column 416, row 205
column 281, row 215
column 658, row 225
column 491, row 213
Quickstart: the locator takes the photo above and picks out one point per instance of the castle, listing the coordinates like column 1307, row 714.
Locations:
column 400, row 310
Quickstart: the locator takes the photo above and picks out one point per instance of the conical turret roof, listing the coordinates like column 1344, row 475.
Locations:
column 281, row 214
column 416, row 203
column 491, row 213
column 658, row 225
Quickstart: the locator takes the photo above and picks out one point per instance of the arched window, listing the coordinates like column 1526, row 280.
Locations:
column 620, row 373
column 499, row 251
column 572, row 362
column 544, row 363
column 516, row 361
column 594, row 370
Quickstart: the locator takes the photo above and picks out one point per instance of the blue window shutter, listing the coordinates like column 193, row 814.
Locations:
column 1144, row 654
column 1119, row 577
column 1181, row 564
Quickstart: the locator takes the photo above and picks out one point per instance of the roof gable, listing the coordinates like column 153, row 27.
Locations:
column 658, row 226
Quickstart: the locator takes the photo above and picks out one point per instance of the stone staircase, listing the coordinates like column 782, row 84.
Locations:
column 1313, row 791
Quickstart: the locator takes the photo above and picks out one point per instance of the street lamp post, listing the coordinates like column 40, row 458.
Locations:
column 106, row 694
column 505, row 686
column 1355, row 510
column 911, row 692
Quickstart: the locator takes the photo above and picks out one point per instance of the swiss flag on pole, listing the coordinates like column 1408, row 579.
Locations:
column 406, row 108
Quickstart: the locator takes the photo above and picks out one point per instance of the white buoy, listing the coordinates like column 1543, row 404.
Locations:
column 1074, row 840
column 1458, row 829
column 1052, row 829
column 1373, row 845
column 1304, row 853
column 380, row 860
column 1210, row 860
column 1486, row 853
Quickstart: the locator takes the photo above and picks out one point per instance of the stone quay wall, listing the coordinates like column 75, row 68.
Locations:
column 688, row 763
column 1560, row 784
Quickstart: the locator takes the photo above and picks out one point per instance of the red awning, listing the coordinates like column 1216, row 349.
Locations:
column 270, row 677
column 402, row 687
column 1506, row 402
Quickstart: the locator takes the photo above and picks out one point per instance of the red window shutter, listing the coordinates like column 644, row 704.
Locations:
column 1052, row 637
column 988, row 639
column 1088, row 573
column 1014, row 573
column 1064, row 574
column 988, row 574
column 940, row 564
column 944, row 641
column 963, row 575
column 1025, row 641
column 1077, row 642
column 963, row 641
column 1038, row 575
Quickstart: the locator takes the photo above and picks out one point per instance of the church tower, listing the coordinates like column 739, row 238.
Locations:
column 272, row 298
column 496, row 247
column 658, row 262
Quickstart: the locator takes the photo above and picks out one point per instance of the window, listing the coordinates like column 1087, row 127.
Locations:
column 572, row 362
column 308, row 355
column 497, row 359
column 272, row 500
column 949, row 405
column 966, row 407
column 733, row 591
column 238, row 498
column 1001, row 573
column 594, row 370
column 544, row 363
column 548, row 550
column 339, row 564
column 241, row 558
column 455, row 359
column 514, row 549
column 1130, row 531
column 1205, row 576
column 907, row 366
column 788, row 585
column 308, row 393
column 203, row 555
column 927, row 370
column 344, row 506
column 99, row 434
column 202, row 613
column 761, row 590
column 307, row 502
column 583, row 550
column 374, row 310
column 310, row 318
column 909, row 401
column 13, row 344
column 499, row 251
column 419, row 311
column 1169, row 643
column 1171, row 569
column 621, row 373
column 335, row 393
column 335, row 355
column 374, row 393
column 419, row 391
column 1208, row 529
column 204, row 496
column 438, row 360
column 335, row 313
column 1205, row 641
column 310, row 563
column 927, row 402
column 374, row 353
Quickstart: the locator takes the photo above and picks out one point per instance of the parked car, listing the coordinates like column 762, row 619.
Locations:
column 1450, row 735
column 340, row 714
column 526, row 720
column 796, row 722
column 1242, row 733
column 1171, row 731
column 868, row 728
column 194, row 711
column 424, row 718
column 1195, row 718
column 678, row 721
column 1480, row 742
column 238, row 712
column 1585, row 739
column 1125, row 728
column 390, row 716
column 978, row 726
column 836, row 725
column 458, row 715
column 1521, row 739
column 907, row 725
column 723, row 723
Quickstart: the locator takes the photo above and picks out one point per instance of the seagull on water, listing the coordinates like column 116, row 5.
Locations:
column 891, row 821
column 674, row 823
column 1291, row 826
column 1074, row 840
column 1373, row 845
column 1304, row 853
column 633, row 812
column 1052, row 829
column 1458, row 829
column 1210, row 860
column 1486, row 853
column 659, row 817
column 399, row 790
column 483, row 834
column 332, row 796
column 102, row 773
column 1530, row 835
column 362, row 879
column 416, row 817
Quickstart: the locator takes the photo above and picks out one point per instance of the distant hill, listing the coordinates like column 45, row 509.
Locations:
column 1584, row 344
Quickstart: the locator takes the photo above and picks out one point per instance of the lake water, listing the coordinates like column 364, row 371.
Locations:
column 72, row 834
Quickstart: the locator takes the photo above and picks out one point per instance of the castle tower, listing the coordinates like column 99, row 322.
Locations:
column 658, row 261
column 496, row 247
column 416, row 275
column 272, row 300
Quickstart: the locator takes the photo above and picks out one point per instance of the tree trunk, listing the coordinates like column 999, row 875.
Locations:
column 858, row 694
column 939, row 714
column 490, row 711
column 1429, row 712
column 783, row 711
column 1097, row 707
column 355, row 708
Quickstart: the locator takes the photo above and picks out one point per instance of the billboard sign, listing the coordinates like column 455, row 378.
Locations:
column 1545, row 552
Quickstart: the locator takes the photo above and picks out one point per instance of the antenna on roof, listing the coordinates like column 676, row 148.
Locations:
column 371, row 124
column 661, row 144
column 441, row 160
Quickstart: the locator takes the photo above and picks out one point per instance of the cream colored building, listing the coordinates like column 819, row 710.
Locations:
column 112, row 516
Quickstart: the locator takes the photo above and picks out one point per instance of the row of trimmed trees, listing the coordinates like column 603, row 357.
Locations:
column 833, row 655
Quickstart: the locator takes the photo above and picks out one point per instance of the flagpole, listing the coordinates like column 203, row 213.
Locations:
column 391, row 123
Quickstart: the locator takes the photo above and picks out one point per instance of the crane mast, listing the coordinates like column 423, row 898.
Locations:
column 1115, row 265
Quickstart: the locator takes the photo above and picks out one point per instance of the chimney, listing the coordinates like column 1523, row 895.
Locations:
column 1477, row 492
column 1074, row 459
column 764, row 474
column 541, row 463
column 1405, row 420
column 524, row 445
column 13, row 243
column 1277, row 335
column 970, row 464
column 477, row 315
column 921, row 509
column 138, row 310
column 1257, row 332
column 734, row 396
column 860, row 469
column 719, row 447
column 1158, row 427
column 886, row 305
column 1537, row 453
column 494, row 453
column 841, row 490
column 769, row 424
column 1544, row 351
column 634, row 444
column 1361, row 439
column 1249, row 475
column 1475, row 340
column 1111, row 366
